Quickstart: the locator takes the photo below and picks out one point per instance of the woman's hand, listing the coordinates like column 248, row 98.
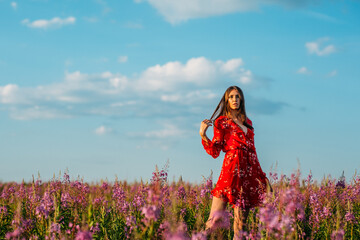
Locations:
column 203, row 127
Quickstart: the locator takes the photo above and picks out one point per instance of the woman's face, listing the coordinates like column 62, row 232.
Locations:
column 234, row 99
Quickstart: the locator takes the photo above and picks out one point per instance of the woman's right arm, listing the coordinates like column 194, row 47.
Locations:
column 212, row 147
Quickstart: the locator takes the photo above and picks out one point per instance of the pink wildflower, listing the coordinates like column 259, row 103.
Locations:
column 338, row 235
column 55, row 228
column 349, row 217
column 180, row 234
column 151, row 213
column 83, row 236
column 181, row 193
column 15, row 234
column 198, row 236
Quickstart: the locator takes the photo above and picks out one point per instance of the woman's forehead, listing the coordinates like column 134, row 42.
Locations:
column 234, row 92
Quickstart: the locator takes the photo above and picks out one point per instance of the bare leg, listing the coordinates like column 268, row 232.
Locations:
column 216, row 205
column 240, row 217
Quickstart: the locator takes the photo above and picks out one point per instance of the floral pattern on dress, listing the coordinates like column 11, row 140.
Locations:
column 242, row 181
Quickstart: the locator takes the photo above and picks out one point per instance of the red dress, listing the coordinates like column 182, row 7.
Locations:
column 242, row 181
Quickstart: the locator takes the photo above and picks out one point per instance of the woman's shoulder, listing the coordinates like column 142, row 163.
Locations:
column 248, row 121
column 221, row 121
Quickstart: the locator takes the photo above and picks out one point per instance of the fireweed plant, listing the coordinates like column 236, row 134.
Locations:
column 160, row 209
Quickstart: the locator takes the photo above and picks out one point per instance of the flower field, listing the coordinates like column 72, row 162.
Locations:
column 159, row 209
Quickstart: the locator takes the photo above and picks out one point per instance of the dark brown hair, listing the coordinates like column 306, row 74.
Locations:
column 223, row 108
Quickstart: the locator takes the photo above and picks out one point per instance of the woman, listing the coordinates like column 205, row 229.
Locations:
column 242, row 181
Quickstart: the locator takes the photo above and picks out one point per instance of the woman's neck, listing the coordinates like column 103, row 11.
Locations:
column 234, row 114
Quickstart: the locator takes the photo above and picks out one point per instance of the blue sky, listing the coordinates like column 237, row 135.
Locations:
column 113, row 88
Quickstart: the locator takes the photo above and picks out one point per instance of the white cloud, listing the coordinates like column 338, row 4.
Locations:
column 119, row 82
column 232, row 65
column 77, row 87
column 189, row 85
column 38, row 112
column 164, row 136
column 103, row 84
column 189, row 98
column 171, row 98
column 8, row 93
column 303, row 70
column 332, row 73
column 102, row 130
column 179, row 11
column 122, row 104
column 13, row 5
column 106, row 8
column 196, row 71
column 169, row 130
column 246, row 77
column 122, row 59
column 106, row 75
column 314, row 47
column 75, row 76
column 52, row 23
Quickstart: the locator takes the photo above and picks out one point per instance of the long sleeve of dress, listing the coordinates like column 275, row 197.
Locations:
column 214, row 147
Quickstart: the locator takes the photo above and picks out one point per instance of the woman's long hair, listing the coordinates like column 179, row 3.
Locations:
column 223, row 108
